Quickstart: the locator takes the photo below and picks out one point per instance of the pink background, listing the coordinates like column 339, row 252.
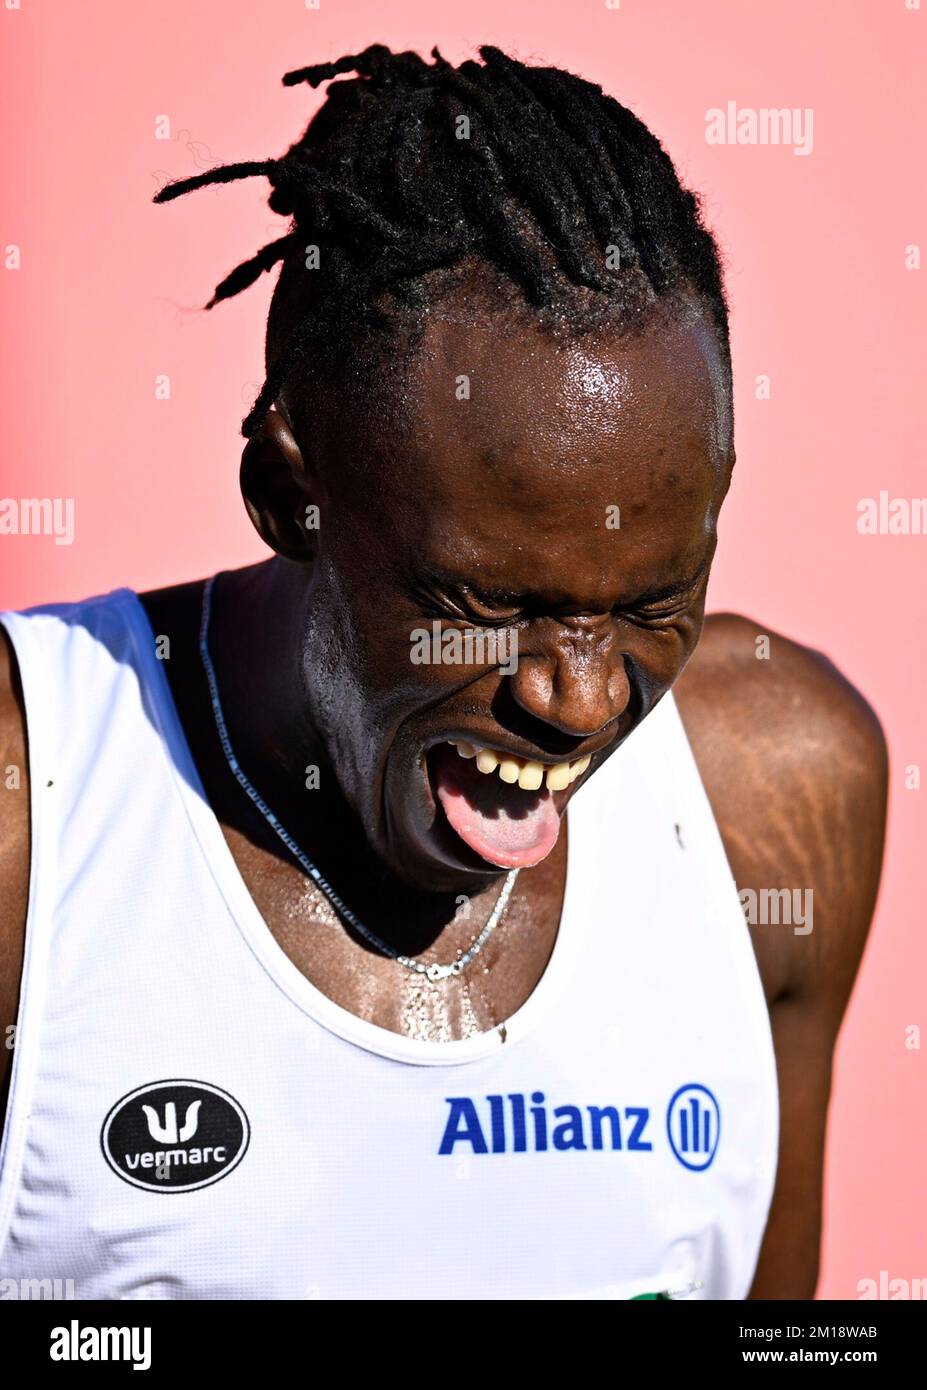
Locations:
column 110, row 287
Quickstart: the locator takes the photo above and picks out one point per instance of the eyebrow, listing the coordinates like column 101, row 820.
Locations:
column 678, row 587
column 453, row 584
column 506, row 598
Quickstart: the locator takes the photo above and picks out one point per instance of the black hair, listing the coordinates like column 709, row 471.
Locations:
column 414, row 167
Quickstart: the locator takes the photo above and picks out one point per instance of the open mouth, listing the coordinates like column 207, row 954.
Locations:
column 505, row 808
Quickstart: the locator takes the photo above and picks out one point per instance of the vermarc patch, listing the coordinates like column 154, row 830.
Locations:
column 175, row 1136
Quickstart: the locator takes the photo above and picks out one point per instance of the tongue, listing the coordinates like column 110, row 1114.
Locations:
column 510, row 827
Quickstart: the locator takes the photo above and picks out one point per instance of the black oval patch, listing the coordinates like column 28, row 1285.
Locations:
column 175, row 1136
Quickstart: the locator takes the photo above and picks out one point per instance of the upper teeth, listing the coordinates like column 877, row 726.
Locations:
column 528, row 775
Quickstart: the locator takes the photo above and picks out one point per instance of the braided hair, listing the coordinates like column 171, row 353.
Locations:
column 412, row 169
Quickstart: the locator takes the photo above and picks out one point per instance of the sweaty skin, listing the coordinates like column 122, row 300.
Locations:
column 491, row 511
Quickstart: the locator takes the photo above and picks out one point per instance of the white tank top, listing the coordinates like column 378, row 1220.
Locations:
column 189, row 1117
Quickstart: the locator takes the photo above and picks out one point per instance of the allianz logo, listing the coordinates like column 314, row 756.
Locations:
column 520, row 1123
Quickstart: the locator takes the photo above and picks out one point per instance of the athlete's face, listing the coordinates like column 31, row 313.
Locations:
column 562, row 498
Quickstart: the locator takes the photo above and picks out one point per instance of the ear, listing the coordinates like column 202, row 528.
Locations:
column 727, row 475
column 281, row 492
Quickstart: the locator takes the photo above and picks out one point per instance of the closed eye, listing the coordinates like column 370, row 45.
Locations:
column 463, row 604
column 656, row 615
column 660, row 607
column 497, row 614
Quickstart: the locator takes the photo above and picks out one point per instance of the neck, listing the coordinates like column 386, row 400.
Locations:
column 257, row 628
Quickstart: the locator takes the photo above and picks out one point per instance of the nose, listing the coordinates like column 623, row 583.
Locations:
column 577, row 681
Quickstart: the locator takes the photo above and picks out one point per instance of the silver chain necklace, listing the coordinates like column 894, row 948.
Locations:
column 431, row 972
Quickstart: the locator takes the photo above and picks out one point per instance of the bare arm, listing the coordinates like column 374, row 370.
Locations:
column 14, row 852
column 795, row 765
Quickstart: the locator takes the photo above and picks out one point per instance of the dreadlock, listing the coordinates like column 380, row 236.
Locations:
column 414, row 167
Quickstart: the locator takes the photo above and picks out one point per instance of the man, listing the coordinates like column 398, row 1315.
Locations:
column 323, row 992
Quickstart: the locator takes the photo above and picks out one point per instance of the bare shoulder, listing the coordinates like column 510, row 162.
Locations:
column 763, row 686
column 795, row 764
column 14, row 846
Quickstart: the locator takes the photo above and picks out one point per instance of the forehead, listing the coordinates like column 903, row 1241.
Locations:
column 502, row 404
column 511, row 446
